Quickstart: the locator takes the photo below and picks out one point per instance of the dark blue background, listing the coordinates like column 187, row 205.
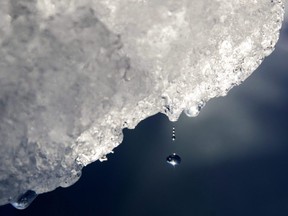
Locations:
column 234, row 160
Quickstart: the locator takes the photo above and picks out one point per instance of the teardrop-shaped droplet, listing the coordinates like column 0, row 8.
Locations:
column 24, row 200
column 173, row 137
column 173, row 159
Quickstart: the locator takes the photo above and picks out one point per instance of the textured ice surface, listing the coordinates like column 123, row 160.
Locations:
column 74, row 73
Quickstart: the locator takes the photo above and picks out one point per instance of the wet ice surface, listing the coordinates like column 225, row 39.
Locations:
column 73, row 74
column 24, row 200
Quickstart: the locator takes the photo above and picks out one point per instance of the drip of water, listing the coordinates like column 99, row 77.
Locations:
column 24, row 200
column 173, row 159
column 173, row 137
column 173, row 134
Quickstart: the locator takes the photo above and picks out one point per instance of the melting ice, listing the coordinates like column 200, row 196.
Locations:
column 24, row 200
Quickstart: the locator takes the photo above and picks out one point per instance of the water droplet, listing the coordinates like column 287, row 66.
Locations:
column 167, row 109
column 192, row 111
column 195, row 110
column 173, row 159
column 173, row 134
column 24, row 200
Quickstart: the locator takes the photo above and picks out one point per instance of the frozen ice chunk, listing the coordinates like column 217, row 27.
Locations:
column 74, row 73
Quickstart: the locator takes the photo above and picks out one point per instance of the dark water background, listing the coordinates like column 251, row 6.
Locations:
column 234, row 160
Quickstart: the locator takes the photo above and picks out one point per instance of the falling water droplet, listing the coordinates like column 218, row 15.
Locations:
column 24, row 200
column 173, row 134
column 173, row 137
column 173, row 159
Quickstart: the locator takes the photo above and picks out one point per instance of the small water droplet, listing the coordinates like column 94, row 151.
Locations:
column 173, row 159
column 24, row 200
column 173, row 134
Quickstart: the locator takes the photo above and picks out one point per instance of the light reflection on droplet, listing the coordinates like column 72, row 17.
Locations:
column 173, row 134
column 173, row 138
column 173, row 159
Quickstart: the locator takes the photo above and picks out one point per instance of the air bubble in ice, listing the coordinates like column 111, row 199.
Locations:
column 201, row 104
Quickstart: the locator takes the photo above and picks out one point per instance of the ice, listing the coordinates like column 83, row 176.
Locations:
column 75, row 73
column 24, row 200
